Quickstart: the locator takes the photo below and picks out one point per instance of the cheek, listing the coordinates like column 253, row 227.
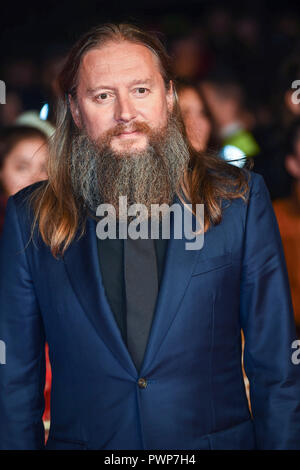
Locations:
column 192, row 123
column 198, row 123
column 155, row 110
column 205, row 125
column 95, row 121
column 12, row 181
column 95, row 125
column 158, row 113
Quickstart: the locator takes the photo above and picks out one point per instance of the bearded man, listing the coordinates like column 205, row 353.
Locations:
column 144, row 335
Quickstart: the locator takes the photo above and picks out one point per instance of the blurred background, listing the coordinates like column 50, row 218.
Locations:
column 236, row 66
column 241, row 56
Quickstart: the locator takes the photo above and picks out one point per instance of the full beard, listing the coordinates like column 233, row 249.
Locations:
column 152, row 176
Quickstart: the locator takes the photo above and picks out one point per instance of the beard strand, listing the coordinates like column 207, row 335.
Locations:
column 151, row 176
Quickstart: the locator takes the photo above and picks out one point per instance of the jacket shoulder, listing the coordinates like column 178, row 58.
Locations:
column 256, row 182
column 239, row 207
column 21, row 201
column 23, row 196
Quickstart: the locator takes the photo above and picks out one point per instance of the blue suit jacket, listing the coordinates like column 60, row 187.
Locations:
column 195, row 396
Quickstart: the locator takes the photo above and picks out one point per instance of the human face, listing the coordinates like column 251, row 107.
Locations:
column 197, row 124
column 121, row 84
column 25, row 164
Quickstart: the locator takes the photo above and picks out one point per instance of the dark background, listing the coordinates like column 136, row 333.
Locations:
column 254, row 43
column 31, row 27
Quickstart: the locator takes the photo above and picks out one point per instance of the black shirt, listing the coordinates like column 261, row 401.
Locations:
column 111, row 259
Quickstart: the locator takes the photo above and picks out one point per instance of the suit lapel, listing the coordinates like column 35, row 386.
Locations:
column 179, row 265
column 82, row 265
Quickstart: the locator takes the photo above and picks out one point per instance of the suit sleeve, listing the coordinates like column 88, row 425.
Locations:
column 269, row 329
column 22, row 376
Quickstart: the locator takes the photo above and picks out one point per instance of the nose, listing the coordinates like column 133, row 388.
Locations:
column 125, row 109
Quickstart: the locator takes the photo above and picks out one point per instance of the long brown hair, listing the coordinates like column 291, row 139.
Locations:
column 56, row 211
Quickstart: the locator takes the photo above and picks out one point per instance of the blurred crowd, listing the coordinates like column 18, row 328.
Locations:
column 237, row 94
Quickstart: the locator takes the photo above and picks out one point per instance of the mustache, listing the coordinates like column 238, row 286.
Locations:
column 137, row 126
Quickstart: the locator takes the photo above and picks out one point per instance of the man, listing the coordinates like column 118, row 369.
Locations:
column 144, row 335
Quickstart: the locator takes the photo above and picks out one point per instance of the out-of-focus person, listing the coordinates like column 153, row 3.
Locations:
column 22, row 76
column 225, row 100
column 50, row 69
column 287, row 211
column 288, row 106
column 23, row 158
column 187, row 57
column 195, row 115
column 12, row 109
column 23, row 161
column 237, row 128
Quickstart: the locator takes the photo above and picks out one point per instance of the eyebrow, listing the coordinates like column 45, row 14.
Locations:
column 146, row 81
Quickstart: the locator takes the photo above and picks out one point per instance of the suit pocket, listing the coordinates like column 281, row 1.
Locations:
column 240, row 437
column 64, row 444
column 211, row 264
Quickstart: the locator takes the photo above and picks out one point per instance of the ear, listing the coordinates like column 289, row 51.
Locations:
column 75, row 111
column 171, row 96
column 292, row 164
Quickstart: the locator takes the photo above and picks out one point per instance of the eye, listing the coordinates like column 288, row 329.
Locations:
column 141, row 91
column 21, row 167
column 104, row 96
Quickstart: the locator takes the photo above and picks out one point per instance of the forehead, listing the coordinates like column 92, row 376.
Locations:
column 26, row 148
column 118, row 61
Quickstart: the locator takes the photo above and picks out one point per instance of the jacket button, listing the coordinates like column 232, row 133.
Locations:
column 142, row 383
